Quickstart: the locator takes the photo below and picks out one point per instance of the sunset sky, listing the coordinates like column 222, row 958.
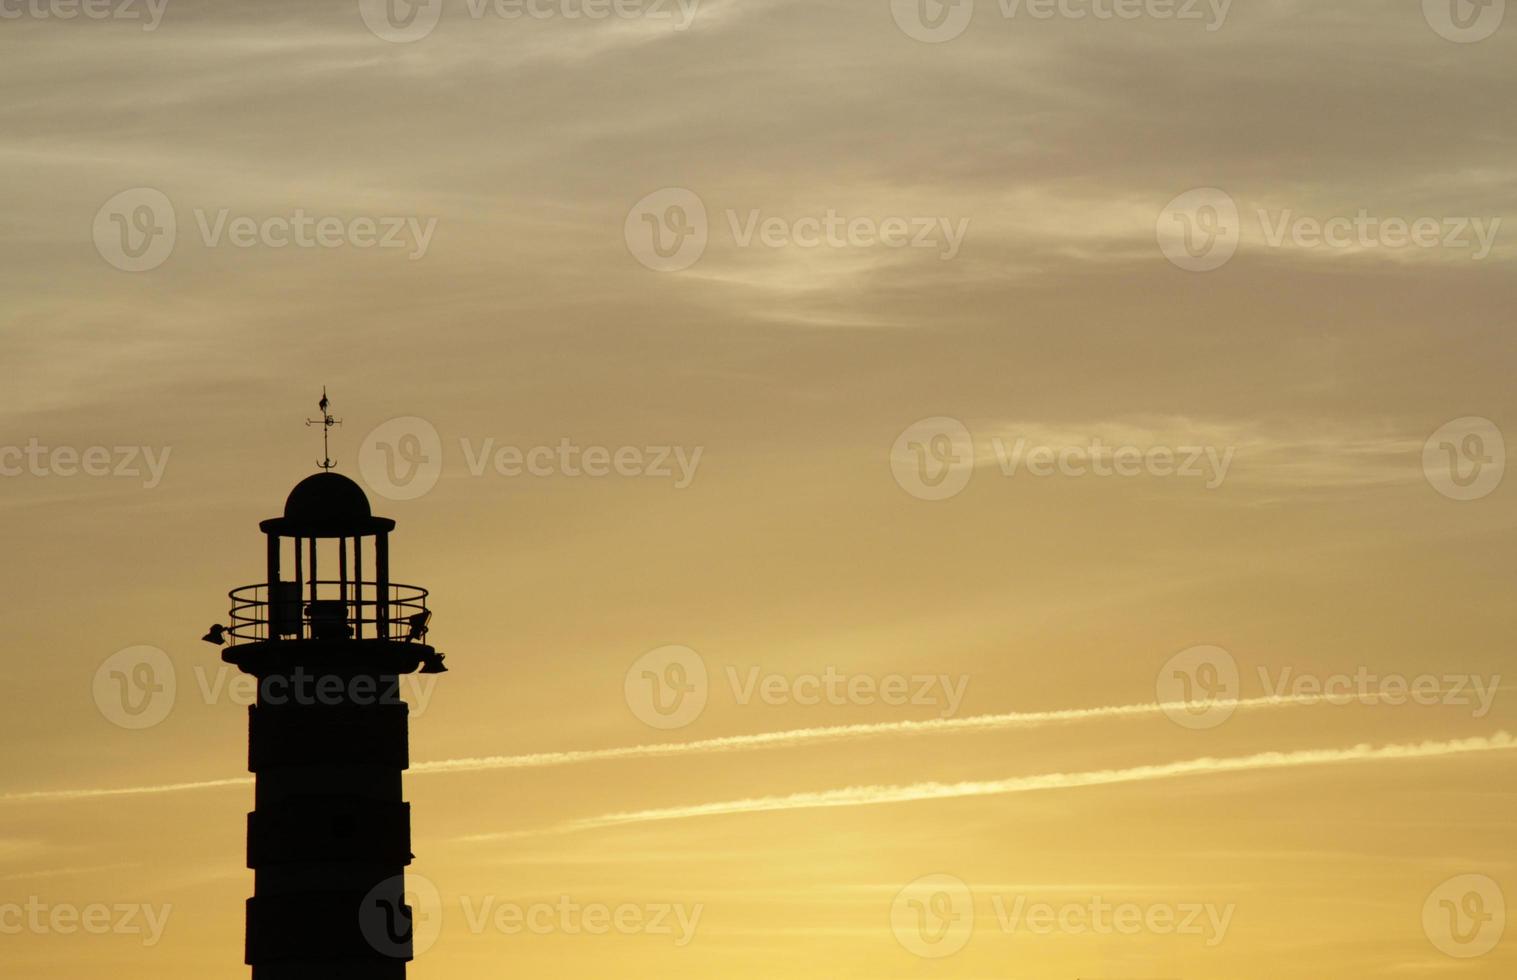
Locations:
column 962, row 380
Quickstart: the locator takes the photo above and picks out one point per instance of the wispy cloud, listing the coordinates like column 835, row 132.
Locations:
column 731, row 743
column 840, row 733
column 915, row 792
column 55, row 795
column 65, row 872
column 1263, row 455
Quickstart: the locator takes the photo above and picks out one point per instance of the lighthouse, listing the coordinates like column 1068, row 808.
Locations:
column 328, row 634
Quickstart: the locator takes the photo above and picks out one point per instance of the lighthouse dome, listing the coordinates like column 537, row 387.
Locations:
column 327, row 496
column 327, row 505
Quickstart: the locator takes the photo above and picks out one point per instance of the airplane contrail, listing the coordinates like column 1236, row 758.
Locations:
column 731, row 743
column 873, row 795
column 839, row 733
column 95, row 794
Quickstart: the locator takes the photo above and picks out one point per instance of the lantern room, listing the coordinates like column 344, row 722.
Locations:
column 328, row 575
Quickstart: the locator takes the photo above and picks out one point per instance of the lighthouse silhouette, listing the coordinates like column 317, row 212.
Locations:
column 329, row 837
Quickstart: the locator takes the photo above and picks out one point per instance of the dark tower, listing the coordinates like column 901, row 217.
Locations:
column 329, row 838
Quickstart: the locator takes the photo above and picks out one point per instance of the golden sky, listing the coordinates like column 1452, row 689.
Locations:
column 962, row 380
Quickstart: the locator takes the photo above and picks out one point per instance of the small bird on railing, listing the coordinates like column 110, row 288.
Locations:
column 416, row 624
column 216, row 634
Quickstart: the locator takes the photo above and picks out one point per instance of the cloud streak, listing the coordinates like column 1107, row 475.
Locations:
column 60, row 795
column 841, row 733
column 916, row 792
column 1008, row 721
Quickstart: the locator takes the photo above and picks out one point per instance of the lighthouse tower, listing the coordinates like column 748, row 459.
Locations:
column 328, row 635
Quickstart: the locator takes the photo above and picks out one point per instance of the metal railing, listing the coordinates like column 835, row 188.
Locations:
column 338, row 610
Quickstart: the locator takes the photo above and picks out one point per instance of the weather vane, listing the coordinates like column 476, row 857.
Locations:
column 326, row 422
